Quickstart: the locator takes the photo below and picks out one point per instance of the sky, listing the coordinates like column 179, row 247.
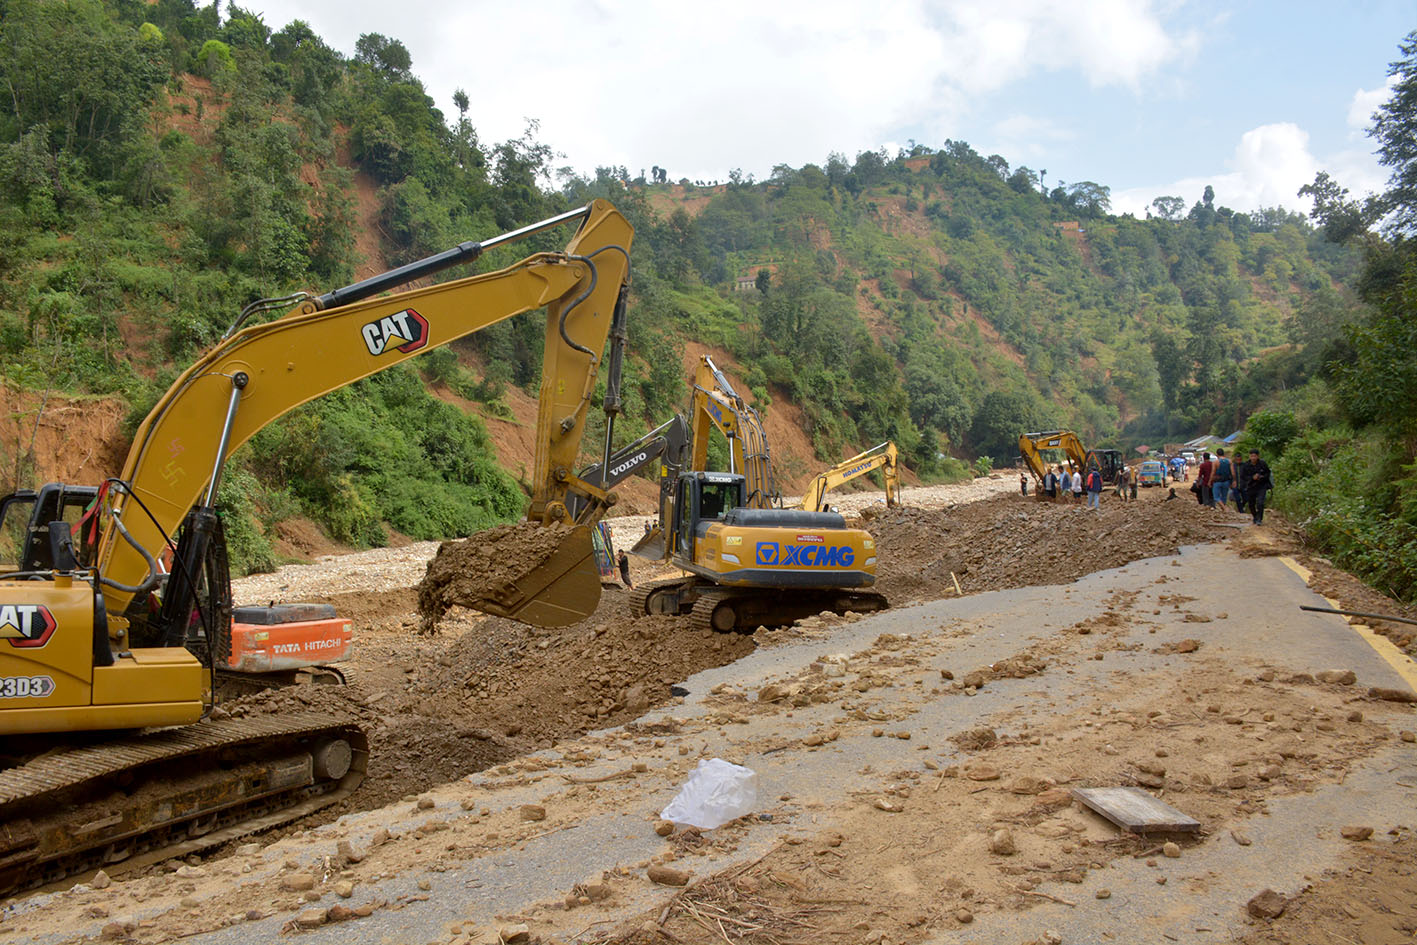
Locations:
column 1147, row 97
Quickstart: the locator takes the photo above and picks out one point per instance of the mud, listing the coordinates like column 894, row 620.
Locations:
column 1010, row 541
column 471, row 570
column 487, row 689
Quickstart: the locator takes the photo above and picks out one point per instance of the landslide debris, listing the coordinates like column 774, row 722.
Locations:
column 1010, row 541
column 488, row 689
column 471, row 570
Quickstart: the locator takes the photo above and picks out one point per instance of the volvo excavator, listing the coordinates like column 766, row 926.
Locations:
column 748, row 562
column 1075, row 457
column 109, row 750
column 882, row 457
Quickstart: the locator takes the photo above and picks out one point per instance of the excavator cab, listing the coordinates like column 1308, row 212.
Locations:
column 702, row 499
column 26, row 518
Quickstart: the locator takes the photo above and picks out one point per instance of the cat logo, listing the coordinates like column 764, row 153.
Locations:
column 406, row 331
column 26, row 625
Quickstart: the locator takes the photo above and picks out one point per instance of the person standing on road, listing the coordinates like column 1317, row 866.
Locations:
column 1050, row 484
column 1077, row 487
column 1094, row 490
column 1220, row 481
column 1065, row 484
column 1203, row 476
column 1257, row 483
column 624, row 561
column 1023, row 484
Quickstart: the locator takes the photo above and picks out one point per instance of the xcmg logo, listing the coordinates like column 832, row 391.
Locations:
column 811, row 556
column 26, row 625
column 405, row 331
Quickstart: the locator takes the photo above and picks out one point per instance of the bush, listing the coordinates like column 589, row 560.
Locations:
column 247, row 546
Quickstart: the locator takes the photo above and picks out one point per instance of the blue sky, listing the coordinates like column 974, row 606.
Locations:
column 1148, row 97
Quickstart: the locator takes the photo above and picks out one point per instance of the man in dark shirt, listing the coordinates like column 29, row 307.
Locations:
column 624, row 562
column 1257, row 483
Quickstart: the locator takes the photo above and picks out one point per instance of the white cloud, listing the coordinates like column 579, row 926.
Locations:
column 701, row 89
column 1023, row 138
column 1367, row 101
column 1269, row 165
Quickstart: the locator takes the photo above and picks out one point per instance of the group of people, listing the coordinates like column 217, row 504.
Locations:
column 1071, row 486
column 1218, row 479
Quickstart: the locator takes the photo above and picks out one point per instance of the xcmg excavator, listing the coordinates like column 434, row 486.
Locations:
column 1075, row 457
column 108, row 752
column 882, row 457
column 749, row 563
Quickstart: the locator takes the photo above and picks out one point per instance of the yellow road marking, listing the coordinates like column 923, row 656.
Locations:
column 1405, row 666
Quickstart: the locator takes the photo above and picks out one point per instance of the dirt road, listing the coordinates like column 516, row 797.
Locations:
column 890, row 751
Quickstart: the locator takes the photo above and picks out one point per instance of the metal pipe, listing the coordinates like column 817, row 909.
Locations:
column 1355, row 613
column 238, row 384
column 612, row 403
column 458, row 255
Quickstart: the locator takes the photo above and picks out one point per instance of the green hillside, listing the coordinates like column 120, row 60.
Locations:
column 161, row 166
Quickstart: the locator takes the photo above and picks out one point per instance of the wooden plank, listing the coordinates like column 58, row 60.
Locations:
column 1135, row 810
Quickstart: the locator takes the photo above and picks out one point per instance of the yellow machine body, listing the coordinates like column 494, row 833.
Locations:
column 736, row 556
column 48, row 678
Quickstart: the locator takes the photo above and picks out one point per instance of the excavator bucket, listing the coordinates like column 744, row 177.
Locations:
column 651, row 546
column 542, row 575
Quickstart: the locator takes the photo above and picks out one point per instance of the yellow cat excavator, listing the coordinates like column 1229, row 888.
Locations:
column 107, row 750
column 749, row 563
column 1064, row 448
column 882, row 457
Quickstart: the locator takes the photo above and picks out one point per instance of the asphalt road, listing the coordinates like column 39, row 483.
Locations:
column 1262, row 627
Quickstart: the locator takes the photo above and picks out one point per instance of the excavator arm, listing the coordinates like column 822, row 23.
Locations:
column 715, row 403
column 261, row 372
column 882, row 457
column 668, row 442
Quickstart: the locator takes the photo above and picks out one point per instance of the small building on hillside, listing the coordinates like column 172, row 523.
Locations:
column 748, row 279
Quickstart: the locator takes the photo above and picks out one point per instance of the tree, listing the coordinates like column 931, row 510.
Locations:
column 1395, row 128
column 1001, row 417
column 388, row 56
column 1090, row 198
column 1169, row 208
column 1342, row 218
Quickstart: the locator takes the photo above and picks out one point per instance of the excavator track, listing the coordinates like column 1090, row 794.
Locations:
column 126, row 802
column 724, row 610
column 641, row 594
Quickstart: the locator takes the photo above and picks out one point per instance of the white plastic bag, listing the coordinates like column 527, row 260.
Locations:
column 717, row 791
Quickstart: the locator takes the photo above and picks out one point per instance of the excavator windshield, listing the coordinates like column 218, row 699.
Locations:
column 716, row 498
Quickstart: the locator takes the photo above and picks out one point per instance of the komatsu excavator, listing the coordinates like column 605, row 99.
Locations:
column 882, row 457
column 107, row 751
column 1074, row 456
column 748, row 562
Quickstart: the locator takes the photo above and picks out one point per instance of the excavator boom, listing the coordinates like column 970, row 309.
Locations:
column 882, row 457
column 262, row 372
